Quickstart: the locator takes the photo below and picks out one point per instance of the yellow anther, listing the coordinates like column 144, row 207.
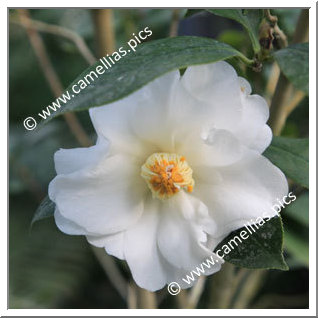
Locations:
column 166, row 174
column 190, row 188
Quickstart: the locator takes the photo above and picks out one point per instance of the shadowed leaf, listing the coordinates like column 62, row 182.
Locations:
column 291, row 156
column 294, row 63
column 249, row 18
column 262, row 248
column 136, row 69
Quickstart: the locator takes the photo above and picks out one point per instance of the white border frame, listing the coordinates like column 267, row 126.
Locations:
column 312, row 158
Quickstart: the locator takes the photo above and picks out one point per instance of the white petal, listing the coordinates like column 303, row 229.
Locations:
column 130, row 122
column 262, row 140
column 217, row 85
column 220, row 99
column 218, row 147
column 213, row 79
column 246, row 191
column 152, row 120
column 71, row 160
column 180, row 240
column 251, row 128
column 245, row 86
column 141, row 250
column 67, row 226
column 187, row 278
column 113, row 244
column 103, row 199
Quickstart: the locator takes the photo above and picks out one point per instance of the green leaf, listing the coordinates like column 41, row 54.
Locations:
column 262, row 248
column 151, row 60
column 249, row 18
column 294, row 63
column 291, row 156
column 299, row 210
column 45, row 210
column 191, row 12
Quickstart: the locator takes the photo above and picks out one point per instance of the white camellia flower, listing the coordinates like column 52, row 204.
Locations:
column 177, row 166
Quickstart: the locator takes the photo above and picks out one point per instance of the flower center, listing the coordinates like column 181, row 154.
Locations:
column 166, row 174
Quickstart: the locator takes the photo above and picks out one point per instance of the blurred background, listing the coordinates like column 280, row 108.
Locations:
column 48, row 269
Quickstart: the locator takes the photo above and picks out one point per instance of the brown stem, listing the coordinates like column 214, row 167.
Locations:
column 284, row 89
column 196, row 292
column 147, row 299
column 222, row 287
column 272, row 82
column 282, row 92
column 132, row 296
column 60, row 31
column 297, row 98
column 249, row 290
column 174, row 23
column 290, row 103
column 182, row 299
column 104, row 31
column 51, row 76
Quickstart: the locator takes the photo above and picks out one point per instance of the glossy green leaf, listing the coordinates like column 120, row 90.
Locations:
column 151, row 60
column 294, row 63
column 45, row 210
column 249, row 18
column 260, row 249
column 291, row 155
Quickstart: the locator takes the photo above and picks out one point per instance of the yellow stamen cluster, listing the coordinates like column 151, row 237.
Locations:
column 166, row 174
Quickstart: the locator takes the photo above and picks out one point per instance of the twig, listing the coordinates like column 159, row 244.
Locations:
column 60, row 31
column 272, row 82
column 174, row 23
column 147, row 299
column 289, row 105
column 132, row 296
column 222, row 287
column 237, row 282
column 196, row 292
column 282, row 92
column 51, row 76
column 182, row 299
column 112, row 272
column 284, row 89
column 249, row 289
column 104, row 31
column 297, row 98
